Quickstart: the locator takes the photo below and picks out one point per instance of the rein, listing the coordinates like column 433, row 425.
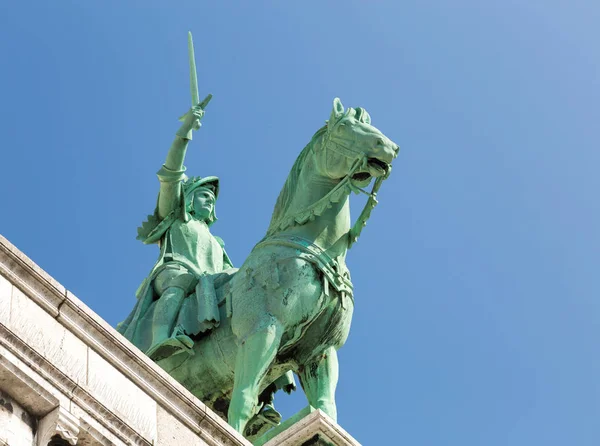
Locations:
column 364, row 216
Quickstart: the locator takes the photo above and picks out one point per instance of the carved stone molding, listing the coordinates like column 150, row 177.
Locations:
column 58, row 422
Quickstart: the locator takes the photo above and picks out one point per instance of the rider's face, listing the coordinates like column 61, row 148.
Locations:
column 204, row 203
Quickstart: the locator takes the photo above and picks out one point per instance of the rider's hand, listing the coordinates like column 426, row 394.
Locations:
column 191, row 122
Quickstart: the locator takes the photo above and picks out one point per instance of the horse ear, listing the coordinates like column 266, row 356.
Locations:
column 363, row 116
column 337, row 112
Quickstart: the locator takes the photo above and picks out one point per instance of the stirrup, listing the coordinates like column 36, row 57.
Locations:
column 170, row 347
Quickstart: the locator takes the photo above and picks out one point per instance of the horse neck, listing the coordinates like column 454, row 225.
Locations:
column 329, row 230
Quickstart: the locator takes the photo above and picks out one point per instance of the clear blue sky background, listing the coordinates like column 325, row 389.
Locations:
column 477, row 315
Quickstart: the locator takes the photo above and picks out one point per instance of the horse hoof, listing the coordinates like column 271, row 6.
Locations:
column 269, row 412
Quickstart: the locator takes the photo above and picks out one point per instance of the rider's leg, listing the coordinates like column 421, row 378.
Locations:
column 254, row 357
column 319, row 380
column 165, row 313
column 172, row 285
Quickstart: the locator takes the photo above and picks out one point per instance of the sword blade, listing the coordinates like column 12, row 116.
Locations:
column 193, row 75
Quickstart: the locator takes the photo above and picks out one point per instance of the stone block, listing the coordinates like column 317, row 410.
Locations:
column 121, row 396
column 45, row 335
column 171, row 432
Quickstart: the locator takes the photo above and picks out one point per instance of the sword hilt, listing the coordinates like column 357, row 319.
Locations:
column 202, row 105
column 205, row 101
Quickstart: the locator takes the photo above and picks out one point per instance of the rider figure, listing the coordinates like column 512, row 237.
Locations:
column 188, row 251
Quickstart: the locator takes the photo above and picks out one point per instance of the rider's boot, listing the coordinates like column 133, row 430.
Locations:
column 164, row 342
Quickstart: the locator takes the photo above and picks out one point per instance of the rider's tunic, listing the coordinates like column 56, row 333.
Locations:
column 195, row 248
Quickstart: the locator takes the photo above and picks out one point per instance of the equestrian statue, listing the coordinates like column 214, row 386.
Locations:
column 233, row 337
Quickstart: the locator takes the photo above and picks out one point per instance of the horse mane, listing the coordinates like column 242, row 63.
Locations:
column 289, row 188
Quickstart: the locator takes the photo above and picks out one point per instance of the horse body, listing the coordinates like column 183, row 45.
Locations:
column 290, row 305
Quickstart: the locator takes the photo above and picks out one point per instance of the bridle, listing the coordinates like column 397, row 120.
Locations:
column 344, row 147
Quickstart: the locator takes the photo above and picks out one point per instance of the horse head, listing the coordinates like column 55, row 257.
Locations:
column 352, row 146
column 349, row 152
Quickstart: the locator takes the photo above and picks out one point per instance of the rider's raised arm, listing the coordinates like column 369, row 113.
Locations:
column 173, row 171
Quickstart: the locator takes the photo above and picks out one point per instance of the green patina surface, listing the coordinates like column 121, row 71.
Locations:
column 232, row 336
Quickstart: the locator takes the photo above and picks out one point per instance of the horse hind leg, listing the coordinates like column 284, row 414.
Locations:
column 254, row 357
column 319, row 379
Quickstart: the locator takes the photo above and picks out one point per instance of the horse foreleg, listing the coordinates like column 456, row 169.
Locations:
column 319, row 379
column 254, row 357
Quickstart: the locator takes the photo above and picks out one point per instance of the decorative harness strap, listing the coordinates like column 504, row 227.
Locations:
column 335, row 272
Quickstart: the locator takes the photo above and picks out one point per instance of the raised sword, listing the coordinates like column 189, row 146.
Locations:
column 194, row 78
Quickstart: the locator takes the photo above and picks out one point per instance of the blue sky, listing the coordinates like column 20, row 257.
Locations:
column 477, row 315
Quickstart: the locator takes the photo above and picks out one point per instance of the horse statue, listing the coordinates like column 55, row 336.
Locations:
column 289, row 306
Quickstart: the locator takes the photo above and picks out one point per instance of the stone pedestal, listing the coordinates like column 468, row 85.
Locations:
column 309, row 427
column 67, row 378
